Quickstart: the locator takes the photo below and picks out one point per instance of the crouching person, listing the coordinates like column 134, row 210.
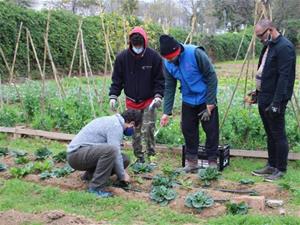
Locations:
column 96, row 150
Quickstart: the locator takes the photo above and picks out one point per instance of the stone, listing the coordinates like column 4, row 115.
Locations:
column 273, row 203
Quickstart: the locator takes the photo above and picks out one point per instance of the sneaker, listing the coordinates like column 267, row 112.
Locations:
column 213, row 164
column 267, row 170
column 191, row 166
column 100, row 193
column 274, row 176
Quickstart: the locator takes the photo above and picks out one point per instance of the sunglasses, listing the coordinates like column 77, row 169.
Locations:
column 262, row 34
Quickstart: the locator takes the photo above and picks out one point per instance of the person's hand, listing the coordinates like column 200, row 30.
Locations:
column 273, row 110
column 113, row 104
column 126, row 178
column 156, row 103
column 210, row 108
column 251, row 97
column 204, row 115
column 164, row 120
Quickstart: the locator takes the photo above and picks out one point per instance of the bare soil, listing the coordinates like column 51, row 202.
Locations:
column 141, row 186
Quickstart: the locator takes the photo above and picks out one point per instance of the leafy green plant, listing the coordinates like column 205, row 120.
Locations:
column 2, row 167
column 42, row 153
column 142, row 168
column 208, row 174
column 46, row 165
column 162, row 195
column 247, row 181
column 57, row 172
column 60, row 157
column 237, row 209
column 159, row 180
column 3, row 151
column 199, row 200
column 19, row 172
column 19, row 153
column 169, row 171
column 21, row 160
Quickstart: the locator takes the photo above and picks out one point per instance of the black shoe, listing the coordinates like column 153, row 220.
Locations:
column 275, row 176
column 267, row 170
column 151, row 152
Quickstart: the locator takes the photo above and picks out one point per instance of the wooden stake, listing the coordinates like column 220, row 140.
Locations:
column 46, row 42
column 86, row 74
column 75, row 49
column 15, row 53
column 61, row 91
column 241, row 43
column 28, row 56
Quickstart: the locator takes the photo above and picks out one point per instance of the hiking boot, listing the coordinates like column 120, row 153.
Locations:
column 267, row 170
column 191, row 166
column 213, row 163
column 151, row 152
column 100, row 193
column 274, row 176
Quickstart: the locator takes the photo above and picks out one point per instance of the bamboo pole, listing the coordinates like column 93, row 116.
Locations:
column 45, row 42
column 41, row 72
column 241, row 43
column 75, row 48
column 15, row 53
column 61, row 91
column 296, row 115
column 124, row 31
column 86, row 74
column 28, row 56
column 106, row 40
column 237, row 84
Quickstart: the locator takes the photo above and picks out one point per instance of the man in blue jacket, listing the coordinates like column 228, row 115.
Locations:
column 274, row 87
column 191, row 66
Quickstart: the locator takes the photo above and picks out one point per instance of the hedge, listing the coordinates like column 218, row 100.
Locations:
column 63, row 31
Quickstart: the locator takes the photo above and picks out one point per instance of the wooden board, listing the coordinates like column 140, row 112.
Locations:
column 177, row 150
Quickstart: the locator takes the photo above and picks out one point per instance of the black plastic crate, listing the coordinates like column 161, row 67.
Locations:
column 223, row 155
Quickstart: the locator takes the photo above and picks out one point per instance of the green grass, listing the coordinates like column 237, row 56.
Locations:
column 33, row 198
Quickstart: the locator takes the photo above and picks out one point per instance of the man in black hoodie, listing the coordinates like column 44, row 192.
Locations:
column 274, row 87
column 138, row 70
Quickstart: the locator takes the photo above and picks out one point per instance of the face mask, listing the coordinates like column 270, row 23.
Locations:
column 137, row 50
column 129, row 131
column 174, row 61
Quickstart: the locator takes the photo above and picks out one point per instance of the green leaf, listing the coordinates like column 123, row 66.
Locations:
column 3, row 151
column 42, row 153
column 237, row 209
column 60, row 157
column 208, row 174
column 162, row 194
column 142, row 168
column 247, row 181
column 3, row 167
column 21, row 160
column 199, row 200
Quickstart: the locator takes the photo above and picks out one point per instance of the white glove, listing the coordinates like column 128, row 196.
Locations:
column 156, row 103
column 113, row 104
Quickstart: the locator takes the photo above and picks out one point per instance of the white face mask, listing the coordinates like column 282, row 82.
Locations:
column 138, row 50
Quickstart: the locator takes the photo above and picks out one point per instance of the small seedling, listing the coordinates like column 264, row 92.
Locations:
column 40, row 167
column 208, row 174
column 60, row 157
column 141, row 168
column 3, row 151
column 19, row 172
column 42, row 153
column 162, row 195
column 246, row 181
column 199, row 200
column 21, row 160
column 2, row 167
column 237, row 209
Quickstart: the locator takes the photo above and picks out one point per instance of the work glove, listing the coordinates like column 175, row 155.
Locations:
column 251, row 97
column 113, row 104
column 204, row 115
column 156, row 103
column 273, row 110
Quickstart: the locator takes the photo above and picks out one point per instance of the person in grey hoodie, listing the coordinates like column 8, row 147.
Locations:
column 96, row 149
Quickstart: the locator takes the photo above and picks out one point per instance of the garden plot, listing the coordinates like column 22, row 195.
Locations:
column 212, row 196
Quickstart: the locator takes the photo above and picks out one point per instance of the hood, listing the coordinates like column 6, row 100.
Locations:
column 140, row 31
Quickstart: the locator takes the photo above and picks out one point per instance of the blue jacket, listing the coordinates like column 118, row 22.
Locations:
column 196, row 75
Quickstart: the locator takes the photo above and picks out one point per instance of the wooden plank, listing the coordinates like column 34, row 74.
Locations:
column 160, row 148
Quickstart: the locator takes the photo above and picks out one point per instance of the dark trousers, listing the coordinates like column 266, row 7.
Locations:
column 190, row 130
column 98, row 161
column 277, row 143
